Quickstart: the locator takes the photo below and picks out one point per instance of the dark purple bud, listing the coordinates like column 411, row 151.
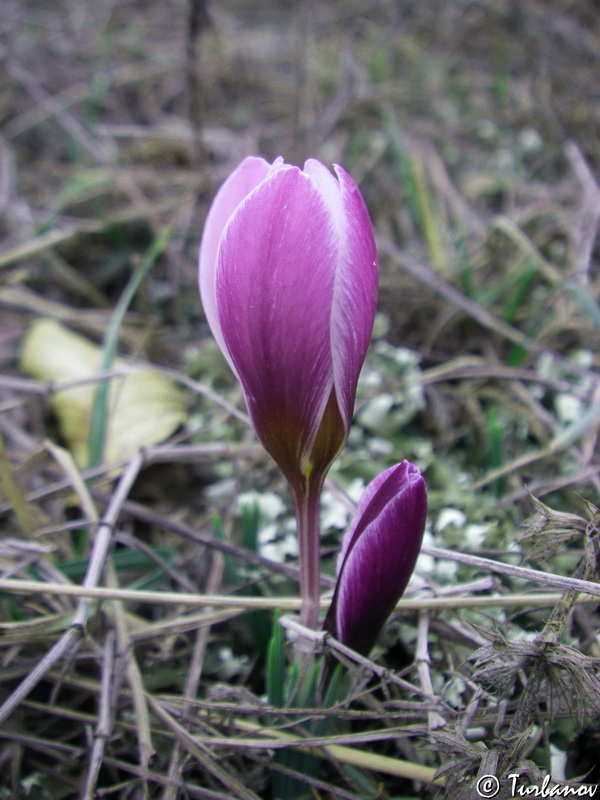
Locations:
column 378, row 556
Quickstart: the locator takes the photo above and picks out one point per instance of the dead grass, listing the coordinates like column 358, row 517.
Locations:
column 473, row 130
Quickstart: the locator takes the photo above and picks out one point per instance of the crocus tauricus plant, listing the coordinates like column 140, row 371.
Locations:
column 288, row 280
column 378, row 556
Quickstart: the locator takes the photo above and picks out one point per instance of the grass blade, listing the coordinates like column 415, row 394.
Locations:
column 100, row 410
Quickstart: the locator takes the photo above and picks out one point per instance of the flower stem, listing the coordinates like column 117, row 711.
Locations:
column 307, row 501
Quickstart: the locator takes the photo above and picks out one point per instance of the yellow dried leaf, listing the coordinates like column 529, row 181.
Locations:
column 144, row 407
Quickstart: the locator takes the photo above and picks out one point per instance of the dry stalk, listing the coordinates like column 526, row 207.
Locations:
column 423, row 662
column 104, row 724
column 322, row 639
column 194, row 673
column 70, row 640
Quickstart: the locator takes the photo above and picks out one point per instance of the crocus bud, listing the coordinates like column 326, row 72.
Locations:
column 288, row 281
column 378, row 556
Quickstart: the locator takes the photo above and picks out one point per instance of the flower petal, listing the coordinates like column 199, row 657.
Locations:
column 355, row 294
column 356, row 282
column 238, row 185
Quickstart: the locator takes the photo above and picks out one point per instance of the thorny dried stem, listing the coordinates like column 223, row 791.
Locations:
column 553, row 674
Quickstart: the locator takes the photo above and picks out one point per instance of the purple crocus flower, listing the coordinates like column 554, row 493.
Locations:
column 378, row 556
column 288, row 280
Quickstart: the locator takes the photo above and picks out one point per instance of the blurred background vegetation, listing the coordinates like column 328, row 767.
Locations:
column 472, row 128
